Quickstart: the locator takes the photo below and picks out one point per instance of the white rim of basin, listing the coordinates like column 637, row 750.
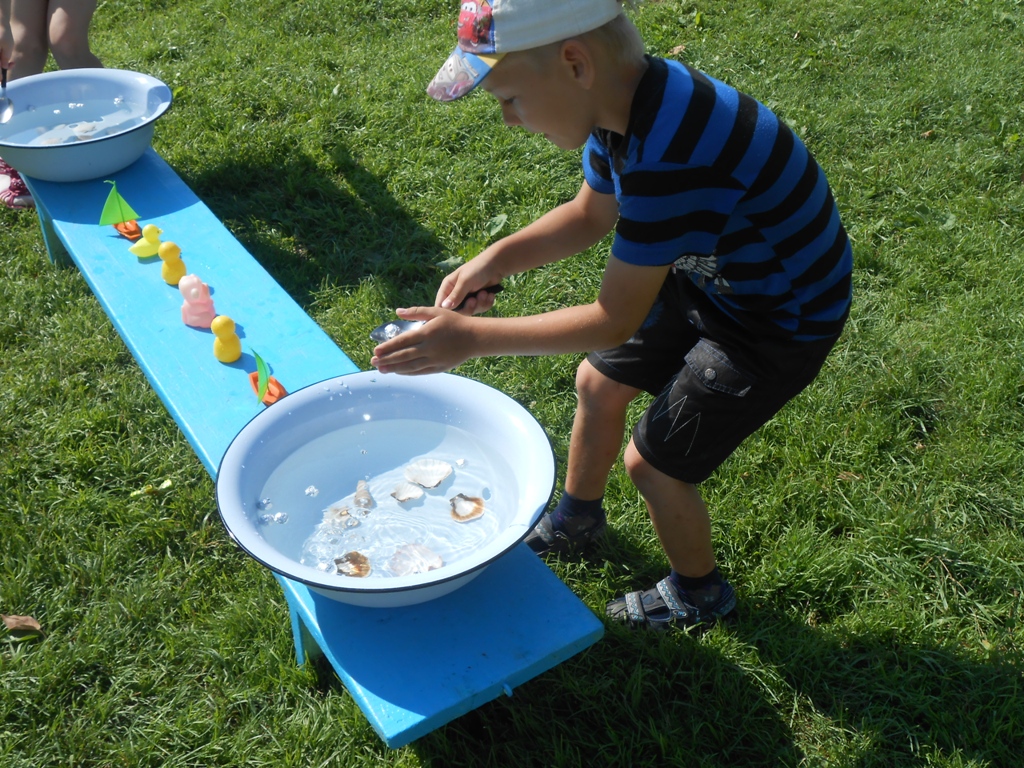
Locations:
column 81, row 78
column 239, row 510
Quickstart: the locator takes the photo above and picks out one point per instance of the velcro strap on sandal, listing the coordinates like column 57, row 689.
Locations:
column 635, row 607
column 668, row 593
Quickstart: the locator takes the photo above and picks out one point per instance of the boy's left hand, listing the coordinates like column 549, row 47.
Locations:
column 440, row 344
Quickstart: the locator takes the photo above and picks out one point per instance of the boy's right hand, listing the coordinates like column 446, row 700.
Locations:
column 470, row 289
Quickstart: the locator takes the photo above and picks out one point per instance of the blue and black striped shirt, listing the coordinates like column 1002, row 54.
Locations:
column 711, row 181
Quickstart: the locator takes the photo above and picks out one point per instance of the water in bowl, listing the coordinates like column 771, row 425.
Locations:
column 326, row 470
column 69, row 122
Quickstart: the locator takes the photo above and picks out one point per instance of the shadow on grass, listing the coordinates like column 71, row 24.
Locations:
column 639, row 698
column 634, row 699
column 905, row 700
column 309, row 226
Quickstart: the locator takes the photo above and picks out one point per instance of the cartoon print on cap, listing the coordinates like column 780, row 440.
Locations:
column 475, row 27
column 455, row 79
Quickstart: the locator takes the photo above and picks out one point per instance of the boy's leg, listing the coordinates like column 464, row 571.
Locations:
column 68, row 26
column 694, row 592
column 597, row 431
column 721, row 395
column 28, row 26
column 680, row 518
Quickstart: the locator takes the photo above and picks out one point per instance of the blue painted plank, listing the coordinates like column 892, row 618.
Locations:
column 409, row 669
column 416, row 668
column 178, row 359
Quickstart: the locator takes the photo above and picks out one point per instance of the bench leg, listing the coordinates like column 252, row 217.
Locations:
column 306, row 647
column 54, row 247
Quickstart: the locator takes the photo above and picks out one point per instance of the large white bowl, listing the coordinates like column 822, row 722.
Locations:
column 126, row 105
column 281, row 437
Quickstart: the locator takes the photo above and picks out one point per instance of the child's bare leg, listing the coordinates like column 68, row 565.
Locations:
column 69, row 33
column 28, row 27
column 597, row 431
column 679, row 515
column 694, row 592
column 594, row 446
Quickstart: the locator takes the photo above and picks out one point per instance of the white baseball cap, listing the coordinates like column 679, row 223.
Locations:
column 488, row 29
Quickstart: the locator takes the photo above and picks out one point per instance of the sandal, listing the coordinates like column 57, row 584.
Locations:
column 16, row 194
column 580, row 531
column 663, row 606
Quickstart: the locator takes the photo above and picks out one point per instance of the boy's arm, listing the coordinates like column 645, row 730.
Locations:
column 449, row 338
column 562, row 232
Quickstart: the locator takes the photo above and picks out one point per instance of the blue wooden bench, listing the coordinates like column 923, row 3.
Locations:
column 410, row 669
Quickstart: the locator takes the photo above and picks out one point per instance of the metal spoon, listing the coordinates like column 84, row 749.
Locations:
column 6, row 105
column 390, row 329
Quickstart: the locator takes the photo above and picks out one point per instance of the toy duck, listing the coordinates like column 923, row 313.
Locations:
column 227, row 347
column 150, row 242
column 173, row 268
column 197, row 309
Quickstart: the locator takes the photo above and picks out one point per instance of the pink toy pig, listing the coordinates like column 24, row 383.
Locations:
column 197, row 309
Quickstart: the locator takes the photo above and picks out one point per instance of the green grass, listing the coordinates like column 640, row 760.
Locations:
column 874, row 529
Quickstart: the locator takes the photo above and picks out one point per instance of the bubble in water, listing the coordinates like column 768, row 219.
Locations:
column 279, row 518
column 312, row 491
column 264, row 504
column 118, row 101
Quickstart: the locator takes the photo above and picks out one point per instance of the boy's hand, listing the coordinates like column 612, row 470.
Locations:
column 440, row 344
column 470, row 289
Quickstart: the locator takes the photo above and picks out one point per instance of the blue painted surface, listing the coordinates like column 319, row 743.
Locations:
column 209, row 400
column 410, row 669
column 416, row 668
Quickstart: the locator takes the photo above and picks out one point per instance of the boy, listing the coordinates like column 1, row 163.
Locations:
column 727, row 284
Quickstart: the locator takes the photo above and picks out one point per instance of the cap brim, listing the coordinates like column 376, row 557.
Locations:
column 461, row 73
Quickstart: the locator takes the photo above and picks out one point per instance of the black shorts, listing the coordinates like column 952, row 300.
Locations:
column 714, row 383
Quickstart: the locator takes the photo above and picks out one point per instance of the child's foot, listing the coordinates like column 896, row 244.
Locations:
column 665, row 606
column 13, row 192
column 570, row 535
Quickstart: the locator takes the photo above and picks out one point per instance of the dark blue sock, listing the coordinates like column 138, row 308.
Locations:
column 569, row 506
column 695, row 584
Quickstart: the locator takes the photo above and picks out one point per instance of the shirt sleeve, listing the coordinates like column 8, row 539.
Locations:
column 597, row 167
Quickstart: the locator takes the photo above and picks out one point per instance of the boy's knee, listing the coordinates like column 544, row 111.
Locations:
column 68, row 45
column 593, row 387
column 647, row 479
column 65, row 51
column 637, row 467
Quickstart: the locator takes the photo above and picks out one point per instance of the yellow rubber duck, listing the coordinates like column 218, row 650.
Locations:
column 227, row 347
column 149, row 244
column 173, row 268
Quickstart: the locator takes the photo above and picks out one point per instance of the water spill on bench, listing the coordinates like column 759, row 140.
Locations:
column 378, row 453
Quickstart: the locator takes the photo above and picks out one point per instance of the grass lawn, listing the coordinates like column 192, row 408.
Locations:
column 874, row 530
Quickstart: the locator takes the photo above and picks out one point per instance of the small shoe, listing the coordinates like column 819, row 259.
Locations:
column 15, row 194
column 544, row 539
column 663, row 606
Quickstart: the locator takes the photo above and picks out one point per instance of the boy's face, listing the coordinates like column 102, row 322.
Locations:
column 540, row 93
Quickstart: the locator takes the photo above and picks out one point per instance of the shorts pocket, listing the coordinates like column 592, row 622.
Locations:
column 716, row 371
